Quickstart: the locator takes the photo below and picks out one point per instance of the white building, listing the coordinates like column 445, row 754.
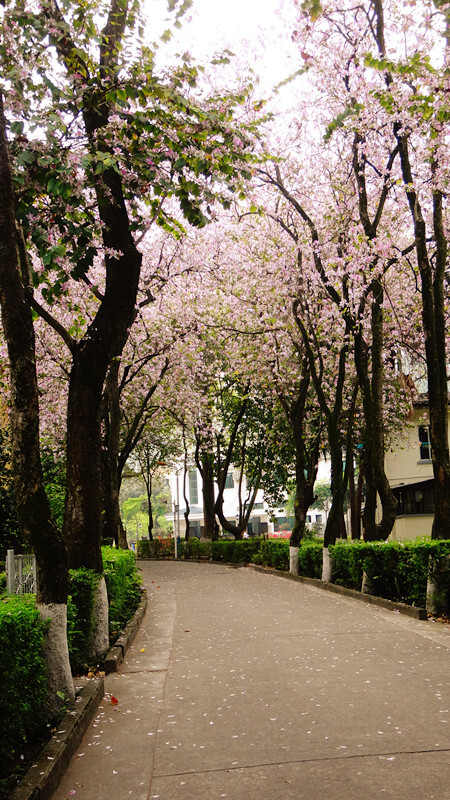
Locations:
column 260, row 521
column 263, row 520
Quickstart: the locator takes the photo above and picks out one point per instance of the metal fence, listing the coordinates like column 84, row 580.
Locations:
column 20, row 573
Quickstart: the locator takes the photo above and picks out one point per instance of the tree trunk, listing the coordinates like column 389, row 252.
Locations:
column 185, row 497
column 148, row 489
column 434, row 326
column 31, row 499
column 432, row 264
column 333, row 527
column 356, row 506
column 374, row 450
column 205, row 464
column 112, row 524
column 83, row 511
column 306, row 461
column 92, row 356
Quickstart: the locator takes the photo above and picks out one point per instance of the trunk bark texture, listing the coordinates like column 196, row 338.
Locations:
column 112, row 525
column 374, row 451
column 205, row 465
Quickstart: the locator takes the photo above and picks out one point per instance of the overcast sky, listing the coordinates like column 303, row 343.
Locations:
column 253, row 29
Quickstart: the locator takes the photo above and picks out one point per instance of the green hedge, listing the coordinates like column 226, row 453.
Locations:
column 23, row 692
column 80, row 605
column 124, row 587
column 156, row 548
column 348, row 563
column 239, row 551
column 398, row 570
column 273, row 553
column 194, row 548
column 310, row 559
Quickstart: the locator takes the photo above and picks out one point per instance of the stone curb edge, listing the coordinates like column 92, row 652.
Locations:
column 117, row 653
column 43, row 778
column 391, row 605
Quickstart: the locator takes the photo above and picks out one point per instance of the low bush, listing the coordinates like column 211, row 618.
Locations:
column 156, row 548
column 238, row 551
column 194, row 548
column 2, row 582
column 399, row 570
column 80, row 605
column 348, row 563
column 23, row 695
column 273, row 553
column 123, row 584
column 310, row 559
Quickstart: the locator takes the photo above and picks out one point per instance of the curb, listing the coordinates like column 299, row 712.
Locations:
column 43, row 778
column 391, row 605
column 117, row 653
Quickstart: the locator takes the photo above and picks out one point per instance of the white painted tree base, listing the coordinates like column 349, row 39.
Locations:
column 327, row 565
column 99, row 643
column 367, row 586
column 56, row 653
column 293, row 560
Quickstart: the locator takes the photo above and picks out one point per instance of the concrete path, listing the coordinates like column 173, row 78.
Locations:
column 244, row 686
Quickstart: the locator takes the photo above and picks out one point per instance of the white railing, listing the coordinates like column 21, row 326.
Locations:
column 20, row 573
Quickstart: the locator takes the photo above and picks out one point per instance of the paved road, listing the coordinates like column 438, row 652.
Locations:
column 244, row 686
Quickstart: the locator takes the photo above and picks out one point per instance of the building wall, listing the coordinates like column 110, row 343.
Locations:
column 411, row 527
column 405, row 465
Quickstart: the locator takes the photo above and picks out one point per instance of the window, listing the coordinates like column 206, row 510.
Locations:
column 308, row 518
column 319, row 518
column 193, row 487
column 195, row 529
column 417, row 498
column 424, row 443
column 254, row 527
column 258, row 505
column 229, row 482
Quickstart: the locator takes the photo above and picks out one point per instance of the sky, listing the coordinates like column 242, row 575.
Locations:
column 255, row 30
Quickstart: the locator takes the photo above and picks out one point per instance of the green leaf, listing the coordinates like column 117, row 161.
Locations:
column 17, row 127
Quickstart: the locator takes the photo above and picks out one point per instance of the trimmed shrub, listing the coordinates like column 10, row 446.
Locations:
column 23, row 695
column 80, row 605
column 310, row 556
column 399, row 570
column 194, row 548
column 348, row 563
column 156, row 548
column 238, row 551
column 123, row 585
column 2, row 582
column 273, row 553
